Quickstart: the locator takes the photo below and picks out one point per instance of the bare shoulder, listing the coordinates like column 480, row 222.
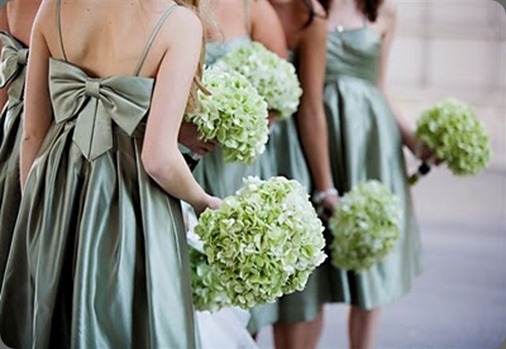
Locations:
column 260, row 7
column 318, row 9
column 186, row 20
column 388, row 9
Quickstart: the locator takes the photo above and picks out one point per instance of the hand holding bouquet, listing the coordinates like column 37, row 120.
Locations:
column 457, row 137
column 365, row 226
column 262, row 242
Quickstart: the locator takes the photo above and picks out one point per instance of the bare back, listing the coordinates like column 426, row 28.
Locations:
column 104, row 44
column 19, row 16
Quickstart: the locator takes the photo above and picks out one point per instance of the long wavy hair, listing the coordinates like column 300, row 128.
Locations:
column 369, row 8
column 201, row 11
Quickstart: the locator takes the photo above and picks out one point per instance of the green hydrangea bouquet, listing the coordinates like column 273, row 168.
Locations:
column 365, row 226
column 208, row 291
column 233, row 113
column 263, row 242
column 273, row 77
column 453, row 131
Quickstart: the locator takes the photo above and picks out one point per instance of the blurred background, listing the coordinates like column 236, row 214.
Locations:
column 449, row 48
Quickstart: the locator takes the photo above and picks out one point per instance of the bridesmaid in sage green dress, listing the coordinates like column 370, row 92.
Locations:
column 99, row 255
column 299, row 146
column 366, row 137
column 16, row 19
column 238, row 23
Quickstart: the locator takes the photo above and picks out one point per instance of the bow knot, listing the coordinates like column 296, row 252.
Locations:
column 92, row 87
column 22, row 57
column 97, row 105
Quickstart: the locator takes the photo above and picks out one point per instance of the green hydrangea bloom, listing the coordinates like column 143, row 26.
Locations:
column 234, row 114
column 264, row 241
column 208, row 291
column 365, row 226
column 457, row 136
column 273, row 77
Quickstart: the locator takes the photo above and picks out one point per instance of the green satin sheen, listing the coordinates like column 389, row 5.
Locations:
column 103, row 263
column 12, row 76
column 364, row 143
column 285, row 150
column 216, row 176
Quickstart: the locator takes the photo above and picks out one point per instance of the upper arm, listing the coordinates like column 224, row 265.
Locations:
column 312, row 60
column 266, row 27
column 38, row 112
column 173, row 81
column 388, row 16
column 4, row 22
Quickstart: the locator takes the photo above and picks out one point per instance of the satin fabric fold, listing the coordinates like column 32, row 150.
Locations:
column 99, row 258
column 12, row 76
column 364, row 143
column 99, row 103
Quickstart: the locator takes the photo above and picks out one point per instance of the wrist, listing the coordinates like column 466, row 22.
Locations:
column 319, row 196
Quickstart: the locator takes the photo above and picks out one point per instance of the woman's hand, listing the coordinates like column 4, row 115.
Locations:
column 189, row 137
column 420, row 150
column 326, row 202
column 209, row 201
column 271, row 118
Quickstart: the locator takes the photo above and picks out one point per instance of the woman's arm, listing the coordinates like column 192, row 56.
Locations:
column 388, row 18
column 38, row 112
column 266, row 27
column 160, row 155
column 4, row 25
column 311, row 120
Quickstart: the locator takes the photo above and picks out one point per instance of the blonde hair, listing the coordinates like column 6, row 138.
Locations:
column 201, row 11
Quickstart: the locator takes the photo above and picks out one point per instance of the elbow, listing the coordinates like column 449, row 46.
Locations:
column 155, row 165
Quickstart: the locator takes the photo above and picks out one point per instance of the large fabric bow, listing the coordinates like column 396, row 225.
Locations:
column 12, row 66
column 96, row 103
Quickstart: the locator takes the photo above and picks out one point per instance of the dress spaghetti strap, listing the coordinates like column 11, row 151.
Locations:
column 145, row 52
column 247, row 16
column 152, row 38
column 58, row 24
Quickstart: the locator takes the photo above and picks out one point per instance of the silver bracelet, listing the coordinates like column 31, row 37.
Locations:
column 319, row 196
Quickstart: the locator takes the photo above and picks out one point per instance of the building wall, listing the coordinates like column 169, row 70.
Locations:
column 452, row 48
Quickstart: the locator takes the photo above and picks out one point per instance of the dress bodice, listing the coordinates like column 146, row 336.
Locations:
column 353, row 52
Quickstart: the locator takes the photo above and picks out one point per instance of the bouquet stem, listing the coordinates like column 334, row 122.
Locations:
column 423, row 169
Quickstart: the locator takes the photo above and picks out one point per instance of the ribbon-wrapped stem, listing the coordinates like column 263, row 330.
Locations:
column 422, row 170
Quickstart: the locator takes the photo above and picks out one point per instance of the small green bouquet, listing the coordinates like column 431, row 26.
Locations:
column 365, row 226
column 262, row 242
column 233, row 113
column 273, row 77
column 453, row 131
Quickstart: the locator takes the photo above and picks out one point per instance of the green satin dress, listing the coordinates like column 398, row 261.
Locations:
column 99, row 255
column 216, row 176
column 12, row 76
column 365, row 143
column 285, row 150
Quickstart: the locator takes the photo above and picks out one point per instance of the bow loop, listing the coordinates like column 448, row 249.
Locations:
column 95, row 104
column 12, row 66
